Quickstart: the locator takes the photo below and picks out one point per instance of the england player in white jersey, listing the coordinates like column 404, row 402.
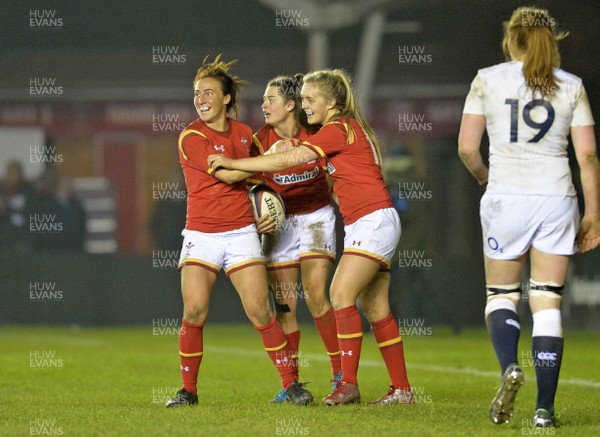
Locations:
column 529, row 106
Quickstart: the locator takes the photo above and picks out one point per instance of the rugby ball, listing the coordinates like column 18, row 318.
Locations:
column 265, row 200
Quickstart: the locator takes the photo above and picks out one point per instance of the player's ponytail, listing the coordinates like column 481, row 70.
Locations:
column 219, row 70
column 336, row 84
column 531, row 32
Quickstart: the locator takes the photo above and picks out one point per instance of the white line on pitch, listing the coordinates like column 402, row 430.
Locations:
column 371, row 363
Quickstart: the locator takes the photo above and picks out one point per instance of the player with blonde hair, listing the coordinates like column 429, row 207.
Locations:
column 220, row 232
column 372, row 225
column 529, row 106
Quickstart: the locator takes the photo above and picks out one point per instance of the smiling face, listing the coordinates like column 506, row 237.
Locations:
column 319, row 109
column 209, row 100
column 275, row 107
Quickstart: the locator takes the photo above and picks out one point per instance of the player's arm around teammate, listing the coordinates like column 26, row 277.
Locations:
column 372, row 226
column 220, row 232
column 529, row 106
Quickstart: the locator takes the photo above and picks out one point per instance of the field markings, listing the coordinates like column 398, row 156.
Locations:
column 371, row 363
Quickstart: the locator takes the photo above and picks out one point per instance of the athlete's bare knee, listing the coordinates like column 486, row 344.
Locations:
column 376, row 312
column 194, row 312
column 259, row 315
column 337, row 300
column 316, row 301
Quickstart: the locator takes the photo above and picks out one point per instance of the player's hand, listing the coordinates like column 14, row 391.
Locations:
column 216, row 161
column 265, row 224
column 588, row 236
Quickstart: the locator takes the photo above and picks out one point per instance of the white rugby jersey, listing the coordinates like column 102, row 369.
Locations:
column 528, row 136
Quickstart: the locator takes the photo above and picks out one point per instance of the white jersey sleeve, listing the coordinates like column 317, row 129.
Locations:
column 582, row 114
column 474, row 102
column 528, row 134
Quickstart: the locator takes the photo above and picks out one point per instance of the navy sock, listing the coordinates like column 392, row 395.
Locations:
column 504, row 329
column 547, row 357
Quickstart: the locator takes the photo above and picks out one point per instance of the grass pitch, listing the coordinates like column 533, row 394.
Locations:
column 114, row 382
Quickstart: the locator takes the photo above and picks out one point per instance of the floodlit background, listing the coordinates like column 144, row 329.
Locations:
column 93, row 95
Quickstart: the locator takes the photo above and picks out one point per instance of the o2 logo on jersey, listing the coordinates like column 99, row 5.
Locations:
column 494, row 245
column 542, row 126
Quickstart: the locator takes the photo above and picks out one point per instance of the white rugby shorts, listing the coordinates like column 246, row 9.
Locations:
column 302, row 237
column 230, row 250
column 511, row 224
column 374, row 236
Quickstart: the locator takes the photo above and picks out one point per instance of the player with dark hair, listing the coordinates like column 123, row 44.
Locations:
column 220, row 232
column 529, row 106
column 372, row 225
column 307, row 240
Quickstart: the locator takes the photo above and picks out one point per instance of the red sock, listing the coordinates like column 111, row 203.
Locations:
column 190, row 353
column 390, row 345
column 349, row 334
column 328, row 332
column 293, row 339
column 278, row 349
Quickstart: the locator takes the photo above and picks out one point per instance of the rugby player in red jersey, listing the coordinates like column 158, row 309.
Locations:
column 372, row 225
column 306, row 243
column 220, row 232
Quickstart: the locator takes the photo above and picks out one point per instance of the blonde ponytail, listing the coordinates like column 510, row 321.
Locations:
column 532, row 32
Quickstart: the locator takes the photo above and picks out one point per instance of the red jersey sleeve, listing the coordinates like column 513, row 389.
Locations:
column 194, row 148
column 329, row 140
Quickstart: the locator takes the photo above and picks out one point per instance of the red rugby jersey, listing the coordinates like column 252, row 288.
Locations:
column 353, row 162
column 303, row 188
column 213, row 205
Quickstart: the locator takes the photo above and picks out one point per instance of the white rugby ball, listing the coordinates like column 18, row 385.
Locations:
column 265, row 200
